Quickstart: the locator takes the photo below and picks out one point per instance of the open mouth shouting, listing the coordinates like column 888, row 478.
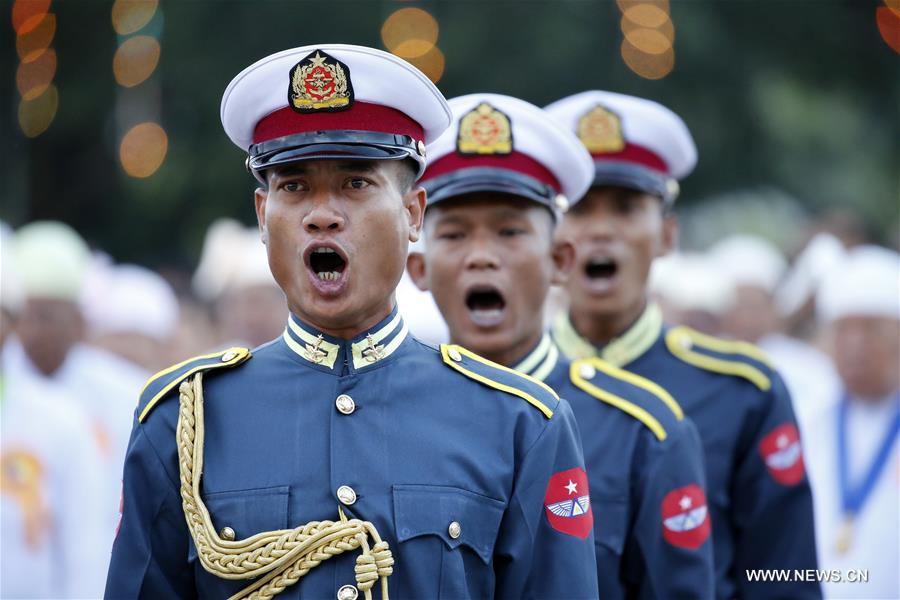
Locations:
column 327, row 266
column 486, row 305
column 600, row 271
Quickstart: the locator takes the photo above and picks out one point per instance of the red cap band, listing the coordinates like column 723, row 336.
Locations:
column 635, row 154
column 361, row 116
column 516, row 161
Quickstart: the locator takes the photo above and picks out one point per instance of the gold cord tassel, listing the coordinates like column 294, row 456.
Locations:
column 280, row 558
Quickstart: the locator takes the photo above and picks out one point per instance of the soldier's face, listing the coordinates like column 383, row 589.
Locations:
column 616, row 233
column 489, row 262
column 336, row 234
column 866, row 351
column 48, row 329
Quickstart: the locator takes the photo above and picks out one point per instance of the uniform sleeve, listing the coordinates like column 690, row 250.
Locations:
column 150, row 554
column 537, row 557
column 669, row 553
column 773, row 511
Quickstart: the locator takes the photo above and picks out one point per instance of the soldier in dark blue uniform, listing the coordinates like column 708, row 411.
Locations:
column 497, row 181
column 759, row 496
column 346, row 455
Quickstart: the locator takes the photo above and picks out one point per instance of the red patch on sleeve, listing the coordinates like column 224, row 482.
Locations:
column 783, row 455
column 685, row 517
column 568, row 503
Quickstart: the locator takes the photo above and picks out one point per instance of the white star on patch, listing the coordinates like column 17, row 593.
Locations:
column 572, row 487
column 782, row 441
column 685, row 503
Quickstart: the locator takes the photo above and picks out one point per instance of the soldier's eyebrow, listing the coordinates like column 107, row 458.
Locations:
column 356, row 166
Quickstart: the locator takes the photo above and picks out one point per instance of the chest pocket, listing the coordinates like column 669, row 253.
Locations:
column 460, row 525
column 247, row 512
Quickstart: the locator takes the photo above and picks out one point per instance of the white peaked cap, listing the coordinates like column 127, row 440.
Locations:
column 866, row 283
column 233, row 258
column 634, row 142
column 131, row 299
column 52, row 260
column 522, row 148
column 749, row 260
column 332, row 101
column 822, row 254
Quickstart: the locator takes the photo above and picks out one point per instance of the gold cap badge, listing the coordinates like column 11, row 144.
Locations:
column 320, row 82
column 601, row 131
column 484, row 130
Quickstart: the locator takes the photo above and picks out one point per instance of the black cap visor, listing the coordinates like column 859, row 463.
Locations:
column 321, row 145
column 636, row 177
column 489, row 179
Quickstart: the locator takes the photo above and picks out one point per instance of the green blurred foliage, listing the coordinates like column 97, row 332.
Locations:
column 791, row 95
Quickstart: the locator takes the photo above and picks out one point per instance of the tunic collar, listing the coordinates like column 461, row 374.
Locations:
column 619, row 351
column 540, row 361
column 366, row 349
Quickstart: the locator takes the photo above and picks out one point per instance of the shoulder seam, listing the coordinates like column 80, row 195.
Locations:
column 630, row 408
column 448, row 360
column 680, row 342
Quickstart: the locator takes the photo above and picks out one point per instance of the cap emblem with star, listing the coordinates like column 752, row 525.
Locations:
column 320, row 82
column 600, row 130
column 484, row 130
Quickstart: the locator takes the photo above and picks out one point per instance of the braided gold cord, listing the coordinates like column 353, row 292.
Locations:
column 280, row 558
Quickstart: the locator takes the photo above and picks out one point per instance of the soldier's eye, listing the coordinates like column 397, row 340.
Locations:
column 358, row 183
column 511, row 231
column 450, row 235
column 292, row 186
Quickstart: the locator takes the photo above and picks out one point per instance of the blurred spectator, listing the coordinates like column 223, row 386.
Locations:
column 752, row 268
column 49, row 348
column 55, row 542
column 852, row 448
column 689, row 290
column 233, row 276
column 131, row 312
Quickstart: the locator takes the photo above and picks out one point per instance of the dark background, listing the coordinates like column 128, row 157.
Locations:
column 796, row 100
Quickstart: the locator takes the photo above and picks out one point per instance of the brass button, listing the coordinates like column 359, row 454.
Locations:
column 587, row 371
column 455, row 355
column 347, row 592
column 230, row 355
column 420, row 146
column 227, row 533
column 346, row 494
column 685, row 341
column 345, row 404
column 454, row 530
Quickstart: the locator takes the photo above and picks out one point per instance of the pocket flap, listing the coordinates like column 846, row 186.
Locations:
column 431, row 509
column 248, row 512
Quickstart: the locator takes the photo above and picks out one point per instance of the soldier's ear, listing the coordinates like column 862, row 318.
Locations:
column 563, row 254
column 415, row 266
column 414, row 202
column 259, row 199
column 670, row 231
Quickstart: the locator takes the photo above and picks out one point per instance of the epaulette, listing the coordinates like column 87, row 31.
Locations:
column 535, row 392
column 637, row 396
column 166, row 380
column 740, row 359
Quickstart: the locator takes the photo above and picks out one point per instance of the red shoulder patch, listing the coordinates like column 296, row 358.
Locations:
column 685, row 517
column 783, row 455
column 568, row 503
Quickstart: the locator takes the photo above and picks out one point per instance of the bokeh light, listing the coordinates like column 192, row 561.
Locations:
column 648, row 66
column 646, row 15
column 32, row 43
column 33, row 78
column 35, row 116
column 889, row 26
column 135, row 60
column 410, row 33
column 431, row 63
column 143, row 149
column 129, row 16
column 649, row 41
column 626, row 5
column 26, row 14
